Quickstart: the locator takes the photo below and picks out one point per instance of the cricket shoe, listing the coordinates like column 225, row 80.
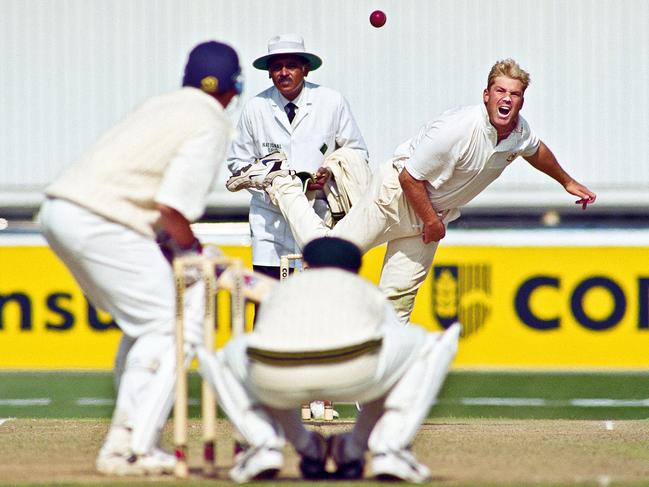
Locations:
column 314, row 467
column 117, row 463
column 346, row 469
column 256, row 463
column 399, row 465
column 260, row 174
column 158, row 462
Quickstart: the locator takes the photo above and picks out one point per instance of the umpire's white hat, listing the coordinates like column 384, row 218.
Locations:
column 287, row 44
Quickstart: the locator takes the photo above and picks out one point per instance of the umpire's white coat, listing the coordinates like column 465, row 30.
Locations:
column 323, row 123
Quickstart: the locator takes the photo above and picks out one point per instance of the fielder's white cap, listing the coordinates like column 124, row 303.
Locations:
column 287, row 44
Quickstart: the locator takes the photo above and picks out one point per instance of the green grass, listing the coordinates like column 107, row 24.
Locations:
column 65, row 389
column 557, row 388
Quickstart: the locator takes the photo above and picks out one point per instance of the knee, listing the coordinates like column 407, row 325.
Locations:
column 148, row 352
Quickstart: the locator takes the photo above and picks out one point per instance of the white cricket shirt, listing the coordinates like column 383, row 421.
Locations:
column 168, row 150
column 457, row 154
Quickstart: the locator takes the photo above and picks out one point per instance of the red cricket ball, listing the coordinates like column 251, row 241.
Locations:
column 378, row 18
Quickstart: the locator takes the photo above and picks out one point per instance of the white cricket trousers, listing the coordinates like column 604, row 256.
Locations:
column 124, row 273
column 411, row 368
column 382, row 215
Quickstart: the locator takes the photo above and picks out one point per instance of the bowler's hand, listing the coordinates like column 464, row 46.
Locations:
column 433, row 231
column 586, row 196
column 322, row 175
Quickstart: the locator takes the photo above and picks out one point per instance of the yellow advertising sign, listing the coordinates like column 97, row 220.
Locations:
column 531, row 307
column 542, row 307
column 46, row 322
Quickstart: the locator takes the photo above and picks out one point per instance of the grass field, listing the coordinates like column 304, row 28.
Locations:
column 465, row 394
column 488, row 429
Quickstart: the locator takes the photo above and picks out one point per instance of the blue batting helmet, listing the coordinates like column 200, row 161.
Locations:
column 214, row 68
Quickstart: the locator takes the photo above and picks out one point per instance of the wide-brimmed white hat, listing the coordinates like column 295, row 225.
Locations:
column 287, row 44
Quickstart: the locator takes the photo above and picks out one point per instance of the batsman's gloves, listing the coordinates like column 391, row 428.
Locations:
column 171, row 250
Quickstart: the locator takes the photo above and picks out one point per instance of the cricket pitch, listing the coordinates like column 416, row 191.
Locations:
column 476, row 452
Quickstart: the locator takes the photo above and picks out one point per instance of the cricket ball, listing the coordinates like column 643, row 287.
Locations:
column 378, row 18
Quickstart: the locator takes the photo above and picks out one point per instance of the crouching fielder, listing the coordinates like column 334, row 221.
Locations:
column 338, row 338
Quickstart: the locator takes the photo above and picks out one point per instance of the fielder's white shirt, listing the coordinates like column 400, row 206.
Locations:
column 458, row 154
column 321, row 309
column 322, row 123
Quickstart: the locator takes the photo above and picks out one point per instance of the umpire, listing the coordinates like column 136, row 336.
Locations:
column 305, row 121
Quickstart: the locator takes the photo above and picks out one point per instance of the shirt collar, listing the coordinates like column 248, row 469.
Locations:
column 490, row 130
column 298, row 102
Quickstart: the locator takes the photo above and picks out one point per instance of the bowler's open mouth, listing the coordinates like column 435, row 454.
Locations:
column 504, row 110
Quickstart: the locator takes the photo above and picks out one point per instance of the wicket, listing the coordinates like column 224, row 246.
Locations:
column 285, row 264
column 208, row 267
column 284, row 272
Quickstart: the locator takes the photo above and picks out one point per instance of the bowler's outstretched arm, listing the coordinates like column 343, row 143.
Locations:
column 545, row 161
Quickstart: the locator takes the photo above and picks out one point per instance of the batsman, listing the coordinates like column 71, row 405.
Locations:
column 119, row 215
